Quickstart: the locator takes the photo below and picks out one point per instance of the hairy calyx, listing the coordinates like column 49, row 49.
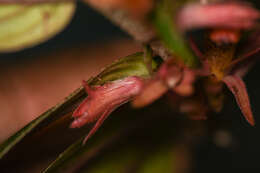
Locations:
column 102, row 100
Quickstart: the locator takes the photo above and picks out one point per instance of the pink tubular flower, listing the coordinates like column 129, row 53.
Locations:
column 233, row 15
column 102, row 100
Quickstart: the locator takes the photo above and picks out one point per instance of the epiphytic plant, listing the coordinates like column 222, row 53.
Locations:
column 191, row 68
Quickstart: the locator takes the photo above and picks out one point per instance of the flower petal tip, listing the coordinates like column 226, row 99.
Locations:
column 250, row 120
column 238, row 88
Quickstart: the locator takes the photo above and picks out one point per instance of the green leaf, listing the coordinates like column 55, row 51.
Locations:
column 116, row 163
column 77, row 154
column 144, row 144
column 17, row 137
column 160, row 161
column 133, row 65
column 23, row 26
column 163, row 20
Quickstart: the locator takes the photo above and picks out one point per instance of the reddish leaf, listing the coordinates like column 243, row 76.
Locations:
column 238, row 88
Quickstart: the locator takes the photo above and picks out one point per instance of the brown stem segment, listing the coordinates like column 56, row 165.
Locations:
column 140, row 29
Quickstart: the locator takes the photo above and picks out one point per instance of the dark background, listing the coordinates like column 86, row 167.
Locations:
column 241, row 156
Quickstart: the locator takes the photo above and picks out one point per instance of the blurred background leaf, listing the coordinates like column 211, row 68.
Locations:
column 23, row 26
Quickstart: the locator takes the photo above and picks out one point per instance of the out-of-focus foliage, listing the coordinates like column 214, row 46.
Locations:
column 23, row 26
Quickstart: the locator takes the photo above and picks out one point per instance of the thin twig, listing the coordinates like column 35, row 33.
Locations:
column 140, row 30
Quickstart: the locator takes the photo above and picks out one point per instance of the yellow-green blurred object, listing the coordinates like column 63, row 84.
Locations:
column 23, row 26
